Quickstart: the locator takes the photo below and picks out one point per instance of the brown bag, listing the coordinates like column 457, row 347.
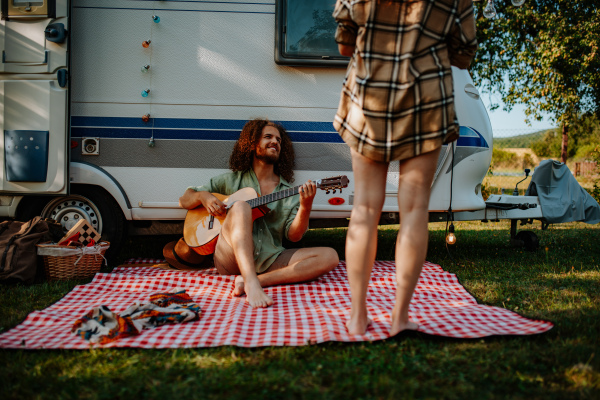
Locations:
column 18, row 253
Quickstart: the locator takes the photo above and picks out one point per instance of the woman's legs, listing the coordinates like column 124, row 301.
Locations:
column 414, row 189
column 361, row 241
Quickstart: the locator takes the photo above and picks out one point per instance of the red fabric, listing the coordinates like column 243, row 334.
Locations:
column 303, row 314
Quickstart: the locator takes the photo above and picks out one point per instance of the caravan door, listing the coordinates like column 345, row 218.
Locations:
column 34, row 96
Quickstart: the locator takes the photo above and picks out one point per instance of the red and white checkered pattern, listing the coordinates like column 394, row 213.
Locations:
column 303, row 314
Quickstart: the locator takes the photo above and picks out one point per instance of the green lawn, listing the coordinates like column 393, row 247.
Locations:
column 560, row 282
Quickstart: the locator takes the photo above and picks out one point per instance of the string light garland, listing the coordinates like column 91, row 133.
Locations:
column 146, row 70
column 490, row 9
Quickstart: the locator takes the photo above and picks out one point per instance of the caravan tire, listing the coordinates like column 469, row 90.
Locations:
column 90, row 203
column 530, row 240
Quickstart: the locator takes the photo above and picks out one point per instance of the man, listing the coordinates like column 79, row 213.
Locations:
column 262, row 158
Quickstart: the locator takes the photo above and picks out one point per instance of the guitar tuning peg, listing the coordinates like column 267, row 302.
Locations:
column 340, row 190
column 327, row 192
column 333, row 191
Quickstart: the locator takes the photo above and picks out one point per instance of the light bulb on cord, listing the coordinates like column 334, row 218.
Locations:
column 145, row 68
column 517, row 3
column 156, row 18
column 145, row 93
column 146, row 43
column 489, row 11
column 451, row 237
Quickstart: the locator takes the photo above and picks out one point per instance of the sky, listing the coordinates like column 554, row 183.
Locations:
column 512, row 123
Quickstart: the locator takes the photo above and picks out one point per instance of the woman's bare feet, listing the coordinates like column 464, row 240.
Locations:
column 255, row 294
column 400, row 322
column 358, row 324
column 398, row 327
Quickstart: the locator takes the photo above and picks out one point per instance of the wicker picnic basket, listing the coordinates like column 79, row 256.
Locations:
column 63, row 262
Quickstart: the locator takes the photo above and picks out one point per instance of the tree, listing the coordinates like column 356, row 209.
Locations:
column 545, row 55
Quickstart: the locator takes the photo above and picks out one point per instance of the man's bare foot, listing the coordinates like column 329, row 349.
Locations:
column 398, row 327
column 358, row 326
column 238, row 288
column 256, row 296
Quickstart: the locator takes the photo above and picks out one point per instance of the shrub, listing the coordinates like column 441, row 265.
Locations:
column 549, row 145
column 502, row 158
column 595, row 191
column 528, row 161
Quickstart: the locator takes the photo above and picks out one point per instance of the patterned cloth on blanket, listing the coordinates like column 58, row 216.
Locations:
column 101, row 326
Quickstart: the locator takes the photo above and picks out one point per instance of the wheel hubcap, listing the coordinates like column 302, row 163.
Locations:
column 70, row 210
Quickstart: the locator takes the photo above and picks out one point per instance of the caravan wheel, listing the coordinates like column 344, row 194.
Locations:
column 530, row 240
column 84, row 202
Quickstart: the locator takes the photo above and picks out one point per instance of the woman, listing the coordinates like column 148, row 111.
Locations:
column 397, row 103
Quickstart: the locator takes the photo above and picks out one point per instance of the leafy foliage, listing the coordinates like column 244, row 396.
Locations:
column 548, row 145
column 595, row 191
column 544, row 54
column 502, row 156
column 585, row 136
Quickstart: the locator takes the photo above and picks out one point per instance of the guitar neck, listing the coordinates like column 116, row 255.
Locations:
column 269, row 198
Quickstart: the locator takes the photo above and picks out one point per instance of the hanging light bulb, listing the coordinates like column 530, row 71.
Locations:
column 146, row 117
column 451, row 237
column 146, row 43
column 145, row 68
column 156, row 18
column 151, row 142
column 517, row 3
column 489, row 11
column 145, row 93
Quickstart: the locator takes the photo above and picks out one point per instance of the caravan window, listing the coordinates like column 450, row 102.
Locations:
column 304, row 33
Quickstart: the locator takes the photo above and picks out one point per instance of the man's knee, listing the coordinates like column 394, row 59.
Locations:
column 238, row 221
column 240, row 208
column 329, row 258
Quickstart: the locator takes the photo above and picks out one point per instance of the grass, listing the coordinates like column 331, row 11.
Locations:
column 559, row 282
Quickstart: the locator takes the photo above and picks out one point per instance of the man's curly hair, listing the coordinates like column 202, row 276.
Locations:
column 244, row 149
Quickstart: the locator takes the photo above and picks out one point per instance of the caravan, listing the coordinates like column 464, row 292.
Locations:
column 111, row 108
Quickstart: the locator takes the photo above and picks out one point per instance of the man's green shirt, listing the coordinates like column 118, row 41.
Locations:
column 268, row 231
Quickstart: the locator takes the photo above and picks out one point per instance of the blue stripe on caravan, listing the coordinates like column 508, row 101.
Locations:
column 469, row 137
column 172, row 9
column 186, row 123
column 219, row 129
column 145, row 133
column 209, row 1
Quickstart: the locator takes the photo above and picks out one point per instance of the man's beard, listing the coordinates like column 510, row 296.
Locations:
column 269, row 158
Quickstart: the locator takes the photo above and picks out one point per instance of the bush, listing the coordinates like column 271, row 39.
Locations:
column 585, row 152
column 503, row 158
column 528, row 161
column 595, row 191
column 549, row 145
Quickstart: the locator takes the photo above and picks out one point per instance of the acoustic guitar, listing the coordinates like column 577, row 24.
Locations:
column 201, row 230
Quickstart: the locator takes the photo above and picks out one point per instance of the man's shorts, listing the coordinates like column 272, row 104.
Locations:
column 226, row 263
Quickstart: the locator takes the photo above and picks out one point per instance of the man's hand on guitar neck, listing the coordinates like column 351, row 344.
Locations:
column 192, row 199
column 307, row 195
column 300, row 224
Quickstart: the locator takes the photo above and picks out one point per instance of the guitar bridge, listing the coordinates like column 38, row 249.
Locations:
column 211, row 221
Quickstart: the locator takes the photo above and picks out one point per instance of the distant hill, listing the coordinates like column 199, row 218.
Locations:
column 520, row 141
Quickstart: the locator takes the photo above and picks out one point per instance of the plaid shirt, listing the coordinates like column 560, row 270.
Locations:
column 397, row 100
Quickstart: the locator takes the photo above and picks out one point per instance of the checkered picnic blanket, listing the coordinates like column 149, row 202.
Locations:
column 303, row 314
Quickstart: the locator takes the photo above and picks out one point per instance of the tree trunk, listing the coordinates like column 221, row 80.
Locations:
column 565, row 140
